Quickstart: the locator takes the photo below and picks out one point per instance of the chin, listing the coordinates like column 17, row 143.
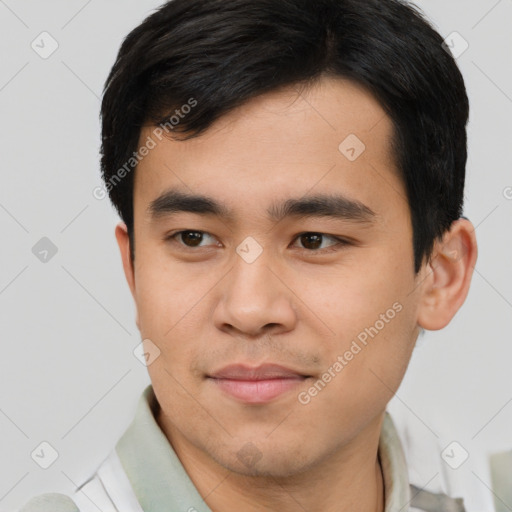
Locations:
column 251, row 461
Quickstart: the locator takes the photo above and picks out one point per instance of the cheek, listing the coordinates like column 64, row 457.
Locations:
column 360, row 377
column 174, row 313
column 167, row 294
column 353, row 298
column 373, row 315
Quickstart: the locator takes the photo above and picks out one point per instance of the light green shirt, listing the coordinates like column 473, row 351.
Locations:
column 144, row 474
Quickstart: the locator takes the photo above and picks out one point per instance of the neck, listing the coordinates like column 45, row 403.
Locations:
column 350, row 479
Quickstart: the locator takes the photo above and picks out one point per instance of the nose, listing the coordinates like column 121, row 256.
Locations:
column 254, row 301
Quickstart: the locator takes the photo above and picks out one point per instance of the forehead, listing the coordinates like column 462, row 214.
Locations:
column 334, row 135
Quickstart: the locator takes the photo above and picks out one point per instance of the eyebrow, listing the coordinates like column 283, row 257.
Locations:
column 319, row 205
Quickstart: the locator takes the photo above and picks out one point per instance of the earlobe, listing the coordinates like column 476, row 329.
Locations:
column 449, row 276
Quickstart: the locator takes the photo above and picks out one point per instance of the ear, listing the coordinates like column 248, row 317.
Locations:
column 123, row 241
column 449, row 274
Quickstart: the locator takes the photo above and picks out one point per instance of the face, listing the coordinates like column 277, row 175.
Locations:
column 298, row 255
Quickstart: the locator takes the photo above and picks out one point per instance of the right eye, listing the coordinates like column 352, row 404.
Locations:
column 189, row 238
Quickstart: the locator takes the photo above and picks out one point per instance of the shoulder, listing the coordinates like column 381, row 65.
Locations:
column 50, row 503
column 107, row 490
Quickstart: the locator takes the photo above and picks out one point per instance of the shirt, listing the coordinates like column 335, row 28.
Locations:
column 144, row 474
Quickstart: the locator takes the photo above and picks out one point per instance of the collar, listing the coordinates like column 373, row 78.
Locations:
column 160, row 481
column 394, row 468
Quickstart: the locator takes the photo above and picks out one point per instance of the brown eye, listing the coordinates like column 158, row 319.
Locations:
column 191, row 238
column 313, row 241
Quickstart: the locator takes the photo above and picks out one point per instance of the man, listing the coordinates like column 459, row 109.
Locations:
column 290, row 179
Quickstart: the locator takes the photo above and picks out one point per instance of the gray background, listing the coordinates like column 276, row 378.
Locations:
column 68, row 373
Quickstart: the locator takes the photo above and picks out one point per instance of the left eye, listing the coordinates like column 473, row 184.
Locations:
column 310, row 241
column 313, row 241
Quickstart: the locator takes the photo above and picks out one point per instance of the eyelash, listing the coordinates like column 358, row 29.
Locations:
column 341, row 242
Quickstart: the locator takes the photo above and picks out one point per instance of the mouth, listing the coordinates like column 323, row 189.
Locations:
column 256, row 385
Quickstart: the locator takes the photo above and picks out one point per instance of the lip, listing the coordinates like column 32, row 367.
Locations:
column 261, row 372
column 256, row 385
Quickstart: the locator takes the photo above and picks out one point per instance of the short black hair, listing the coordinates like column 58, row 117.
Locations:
column 221, row 53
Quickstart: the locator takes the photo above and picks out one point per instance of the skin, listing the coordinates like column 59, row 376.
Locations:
column 298, row 305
